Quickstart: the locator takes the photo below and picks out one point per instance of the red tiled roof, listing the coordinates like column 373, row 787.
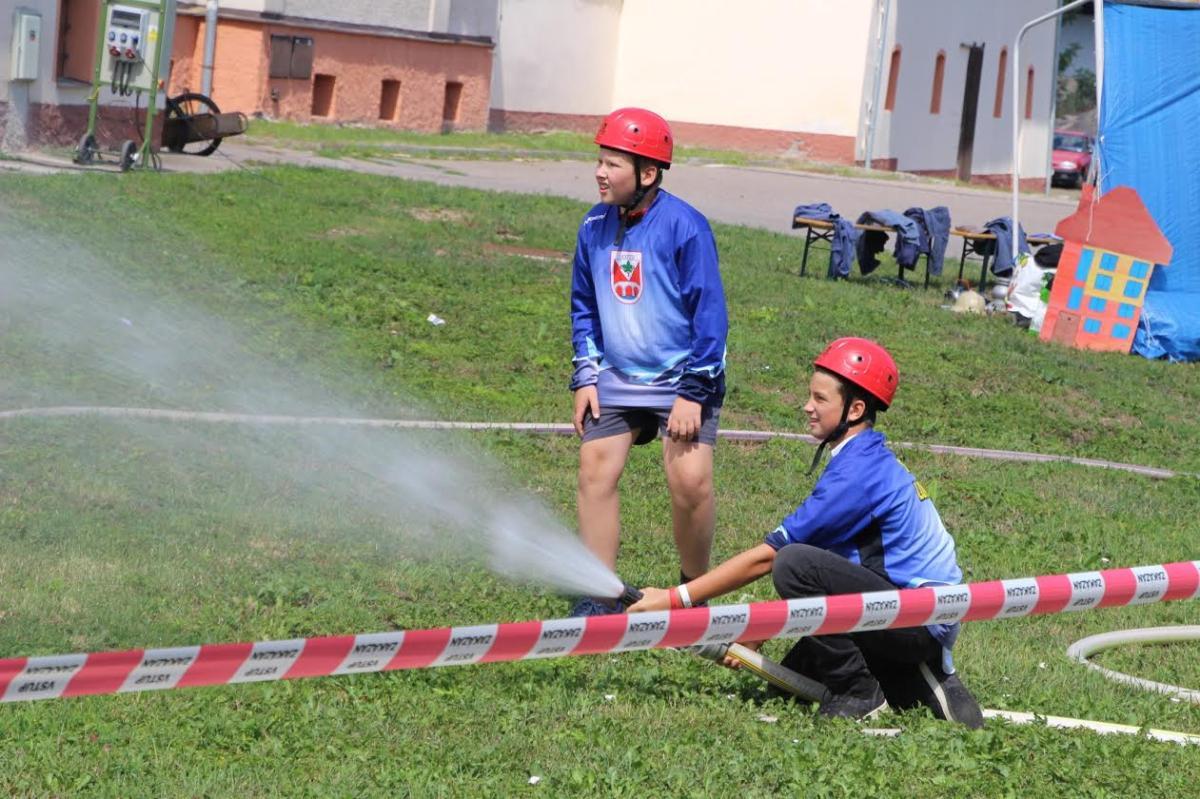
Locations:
column 1118, row 222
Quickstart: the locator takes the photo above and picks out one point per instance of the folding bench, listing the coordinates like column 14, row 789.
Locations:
column 981, row 243
column 822, row 230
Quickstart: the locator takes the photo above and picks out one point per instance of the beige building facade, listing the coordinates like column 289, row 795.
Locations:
column 724, row 79
column 816, row 79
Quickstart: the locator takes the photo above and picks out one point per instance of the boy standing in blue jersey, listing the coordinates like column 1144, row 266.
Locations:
column 868, row 525
column 648, row 327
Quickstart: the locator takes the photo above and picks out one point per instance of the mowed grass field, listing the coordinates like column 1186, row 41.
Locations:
column 288, row 290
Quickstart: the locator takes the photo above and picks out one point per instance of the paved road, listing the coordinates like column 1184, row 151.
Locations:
column 738, row 195
column 757, row 197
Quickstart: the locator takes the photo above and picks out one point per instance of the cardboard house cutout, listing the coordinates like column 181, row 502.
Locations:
column 1110, row 247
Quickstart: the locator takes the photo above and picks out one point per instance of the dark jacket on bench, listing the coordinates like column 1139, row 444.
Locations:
column 870, row 242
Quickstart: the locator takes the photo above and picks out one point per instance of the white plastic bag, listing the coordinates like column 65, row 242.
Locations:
column 1025, row 289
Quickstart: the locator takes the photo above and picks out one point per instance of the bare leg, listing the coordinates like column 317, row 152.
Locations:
column 601, row 462
column 689, row 467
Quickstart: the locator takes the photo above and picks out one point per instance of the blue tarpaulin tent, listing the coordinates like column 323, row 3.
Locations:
column 1149, row 109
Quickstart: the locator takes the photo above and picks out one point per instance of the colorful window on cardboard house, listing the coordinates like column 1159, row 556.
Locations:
column 1108, row 292
column 1110, row 247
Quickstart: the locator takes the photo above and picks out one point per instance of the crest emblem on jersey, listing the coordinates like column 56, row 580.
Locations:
column 626, row 272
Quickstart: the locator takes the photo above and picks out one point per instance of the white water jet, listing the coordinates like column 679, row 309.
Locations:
column 102, row 336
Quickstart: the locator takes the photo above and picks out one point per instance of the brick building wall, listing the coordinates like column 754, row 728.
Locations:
column 359, row 75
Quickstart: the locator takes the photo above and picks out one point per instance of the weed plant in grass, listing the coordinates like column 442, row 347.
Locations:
column 111, row 543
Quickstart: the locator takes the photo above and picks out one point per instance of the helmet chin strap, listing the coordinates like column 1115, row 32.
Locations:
column 639, row 194
column 842, row 426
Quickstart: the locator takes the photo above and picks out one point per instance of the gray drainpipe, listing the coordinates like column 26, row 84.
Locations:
column 210, row 47
column 873, row 113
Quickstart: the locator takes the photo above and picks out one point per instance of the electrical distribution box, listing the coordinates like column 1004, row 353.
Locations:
column 127, row 32
column 26, row 45
column 130, row 41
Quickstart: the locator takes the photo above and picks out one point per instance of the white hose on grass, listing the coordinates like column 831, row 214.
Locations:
column 1102, row 727
column 560, row 429
column 1081, row 650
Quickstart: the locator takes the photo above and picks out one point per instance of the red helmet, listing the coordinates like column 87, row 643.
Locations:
column 863, row 363
column 637, row 131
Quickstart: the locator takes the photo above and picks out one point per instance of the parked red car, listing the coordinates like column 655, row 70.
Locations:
column 1072, row 157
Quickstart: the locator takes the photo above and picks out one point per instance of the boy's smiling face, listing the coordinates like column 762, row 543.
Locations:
column 824, row 406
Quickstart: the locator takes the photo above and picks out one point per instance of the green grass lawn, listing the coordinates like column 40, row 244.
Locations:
column 303, row 291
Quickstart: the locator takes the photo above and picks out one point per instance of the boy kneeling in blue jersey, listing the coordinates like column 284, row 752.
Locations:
column 866, row 526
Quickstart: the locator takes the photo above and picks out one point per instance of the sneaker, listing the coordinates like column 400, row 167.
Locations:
column 945, row 695
column 859, row 708
column 590, row 606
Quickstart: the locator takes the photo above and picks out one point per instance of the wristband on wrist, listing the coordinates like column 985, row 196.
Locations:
column 685, row 598
column 676, row 600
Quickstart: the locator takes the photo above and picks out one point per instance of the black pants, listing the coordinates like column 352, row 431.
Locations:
column 853, row 663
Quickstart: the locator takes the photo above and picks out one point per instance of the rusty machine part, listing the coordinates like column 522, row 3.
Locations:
column 194, row 125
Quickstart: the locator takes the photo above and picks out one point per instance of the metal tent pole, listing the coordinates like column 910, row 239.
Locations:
column 1016, row 115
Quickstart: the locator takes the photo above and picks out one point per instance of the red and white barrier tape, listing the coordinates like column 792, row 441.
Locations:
column 49, row 677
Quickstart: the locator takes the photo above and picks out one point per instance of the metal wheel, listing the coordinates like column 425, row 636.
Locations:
column 129, row 151
column 182, row 108
column 87, row 150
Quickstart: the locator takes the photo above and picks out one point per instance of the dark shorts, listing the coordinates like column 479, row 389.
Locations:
column 649, row 423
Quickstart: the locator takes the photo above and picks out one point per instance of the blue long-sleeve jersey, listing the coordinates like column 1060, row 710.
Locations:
column 869, row 509
column 648, row 318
